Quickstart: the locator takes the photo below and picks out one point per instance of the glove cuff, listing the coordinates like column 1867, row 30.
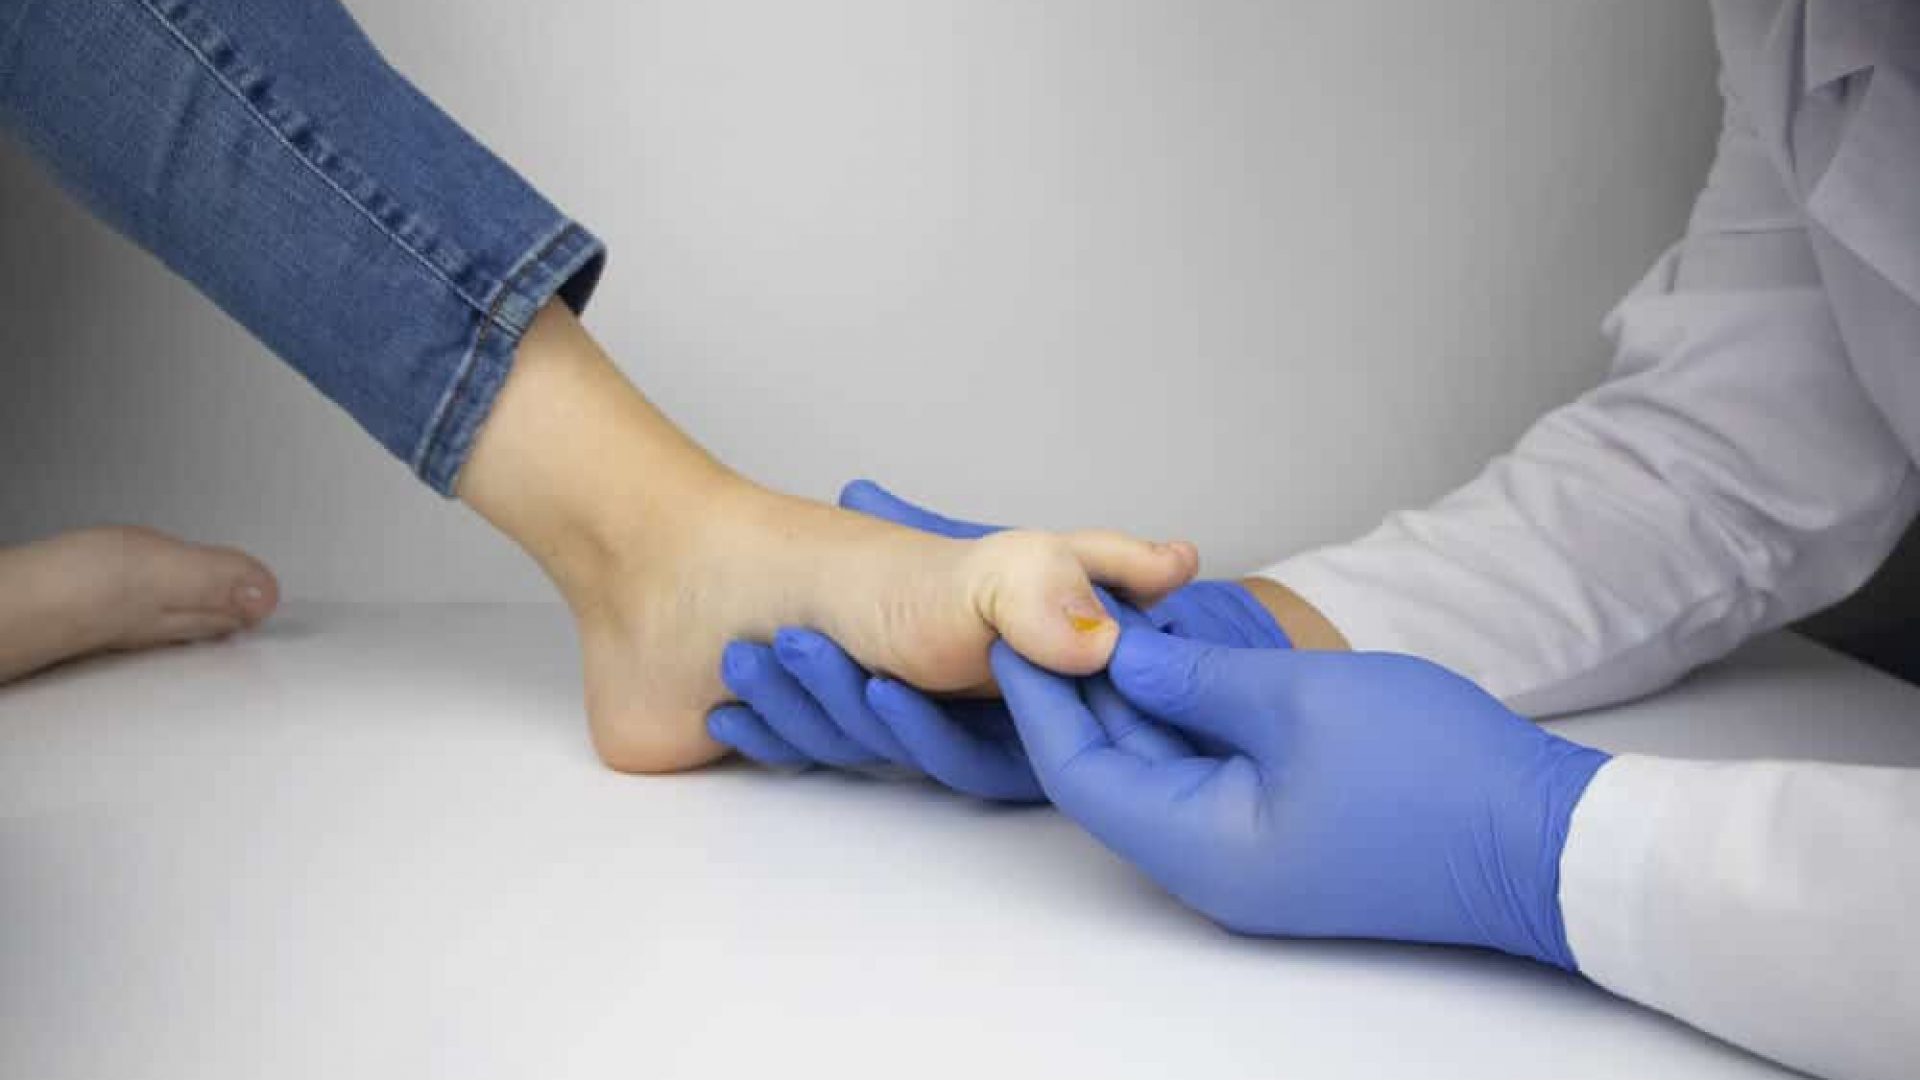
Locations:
column 1569, row 769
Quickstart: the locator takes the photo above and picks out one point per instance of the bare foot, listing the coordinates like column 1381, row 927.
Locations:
column 665, row 556
column 118, row 588
column 920, row 608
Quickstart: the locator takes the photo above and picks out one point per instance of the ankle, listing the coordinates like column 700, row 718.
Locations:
column 579, row 468
column 650, row 537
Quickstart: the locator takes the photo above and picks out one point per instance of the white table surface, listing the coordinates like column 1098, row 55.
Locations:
column 372, row 841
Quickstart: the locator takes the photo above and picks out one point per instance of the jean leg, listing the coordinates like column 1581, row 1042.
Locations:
column 264, row 150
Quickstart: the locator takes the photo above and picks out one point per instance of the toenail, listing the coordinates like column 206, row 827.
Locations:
column 1086, row 615
column 251, row 599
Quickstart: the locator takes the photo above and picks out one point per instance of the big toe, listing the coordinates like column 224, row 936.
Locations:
column 1038, row 597
column 215, row 581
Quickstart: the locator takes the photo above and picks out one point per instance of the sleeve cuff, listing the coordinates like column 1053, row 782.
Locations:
column 1604, row 867
column 566, row 263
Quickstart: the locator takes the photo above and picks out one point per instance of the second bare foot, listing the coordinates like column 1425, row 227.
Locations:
column 119, row 588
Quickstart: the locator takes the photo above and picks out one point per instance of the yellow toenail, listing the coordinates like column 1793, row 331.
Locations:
column 1087, row 624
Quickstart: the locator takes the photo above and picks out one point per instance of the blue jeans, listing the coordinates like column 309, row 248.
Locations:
column 265, row 151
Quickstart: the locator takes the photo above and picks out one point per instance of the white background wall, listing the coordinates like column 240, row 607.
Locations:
column 1251, row 273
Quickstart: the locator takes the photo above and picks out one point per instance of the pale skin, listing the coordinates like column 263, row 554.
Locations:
column 663, row 555
column 118, row 588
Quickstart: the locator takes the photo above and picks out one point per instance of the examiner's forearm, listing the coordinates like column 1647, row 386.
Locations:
column 1305, row 626
column 1733, row 474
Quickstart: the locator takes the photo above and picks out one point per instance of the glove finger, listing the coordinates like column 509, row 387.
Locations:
column 986, row 718
column 839, row 685
column 954, row 754
column 1210, row 692
column 1124, row 613
column 1154, row 814
column 1220, row 613
column 871, row 499
column 1150, row 738
column 1128, row 728
column 739, row 727
column 755, row 676
column 1058, row 730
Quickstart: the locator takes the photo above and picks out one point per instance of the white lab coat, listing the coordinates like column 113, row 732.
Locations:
column 1752, row 458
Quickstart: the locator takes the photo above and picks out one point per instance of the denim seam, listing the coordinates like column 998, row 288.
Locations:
column 457, row 388
column 513, row 284
column 175, row 31
column 434, row 433
column 449, row 435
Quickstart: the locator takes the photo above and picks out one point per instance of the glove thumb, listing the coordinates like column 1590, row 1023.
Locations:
column 869, row 498
column 1208, row 690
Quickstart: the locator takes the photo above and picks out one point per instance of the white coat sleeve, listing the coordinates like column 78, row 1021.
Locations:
column 1729, row 477
column 1769, row 903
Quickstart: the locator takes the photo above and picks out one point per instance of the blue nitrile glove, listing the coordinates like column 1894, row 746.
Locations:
column 1219, row 613
column 806, row 702
column 1366, row 795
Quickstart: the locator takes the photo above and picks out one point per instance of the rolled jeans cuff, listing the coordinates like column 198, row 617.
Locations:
column 565, row 265
column 267, row 152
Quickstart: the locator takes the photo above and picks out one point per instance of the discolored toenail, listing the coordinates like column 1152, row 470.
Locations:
column 1086, row 615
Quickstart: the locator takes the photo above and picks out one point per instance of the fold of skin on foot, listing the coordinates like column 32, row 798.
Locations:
column 119, row 588
column 664, row 556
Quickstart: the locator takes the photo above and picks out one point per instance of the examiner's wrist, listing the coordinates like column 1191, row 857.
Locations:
column 1303, row 624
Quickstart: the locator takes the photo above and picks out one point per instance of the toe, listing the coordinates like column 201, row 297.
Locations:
column 1035, row 593
column 257, row 592
column 181, row 627
column 1142, row 571
column 217, row 581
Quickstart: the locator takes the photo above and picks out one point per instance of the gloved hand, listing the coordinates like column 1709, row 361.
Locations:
column 805, row 702
column 1363, row 794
